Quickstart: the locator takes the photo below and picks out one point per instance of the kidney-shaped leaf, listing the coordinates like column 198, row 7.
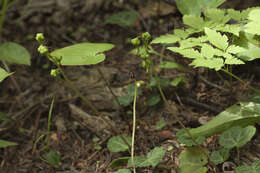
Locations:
column 14, row 53
column 116, row 143
column 236, row 136
column 220, row 156
column 3, row 74
column 254, row 168
column 82, row 53
column 192, row 160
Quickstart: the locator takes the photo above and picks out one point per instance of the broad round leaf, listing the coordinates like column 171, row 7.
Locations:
column 116, row 143
column 192, row 160
column 82, row 53
column 236, row 136
column 14, row 53
column 219, row 156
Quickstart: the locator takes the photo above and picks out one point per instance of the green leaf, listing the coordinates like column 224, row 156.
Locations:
column 123, row 171
column 82, row 53
column 3, row 74
column 220, row 156
column 160, row 124
column 139, row 161
column 155, row 156
column 14, row 53
column 233, row 29
column 166, row 39
column 181, row 33
column 53, row 158
column 241, row 114
column 121, row 161
column 171, row 65
column 4, row 143
column 196, row 22
column 221, row 18
column 236, row 136
column 153, row 99
column 211, row 63
column 254, row 168
column 235, row 49
column 188, row 53
column 116, row 144
column 192, row 160
column 194, row 7
column 250, row 54
column 253, row 26
column 215, row 38
column 183, row 138
column 123, row 19
column 152, row 158
column 234, row 14
column 177, row 81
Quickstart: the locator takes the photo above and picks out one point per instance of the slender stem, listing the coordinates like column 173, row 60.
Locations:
column 240, row 80
column 12, row 77
column 238, row 154
column 49, row 124
column 2, row 19
column 133, row 131
column 178, row 119
column 108, row 86
column 75, row 89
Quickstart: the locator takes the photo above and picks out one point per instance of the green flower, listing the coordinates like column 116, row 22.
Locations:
column 42, row 49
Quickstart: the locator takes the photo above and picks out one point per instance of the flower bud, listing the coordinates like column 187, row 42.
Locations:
column 39, row 37
column 146, row 36
column 42, row 49
column 54, row 72
column 135, row 41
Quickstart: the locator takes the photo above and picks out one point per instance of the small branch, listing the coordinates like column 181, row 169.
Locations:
column 240, row 80
column 108, row 86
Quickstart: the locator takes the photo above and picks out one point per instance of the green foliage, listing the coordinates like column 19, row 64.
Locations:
column 254, row 168
column 116, row 143
column 53, row 158
column 14, row 53
column 4, row 143
column 192, row 160
column 166, row 39
column 171, row 65
column 3, row 74
column 194, row 7
column 241, row 114
column 123, row 19
column 253, row 26
column 219, row 156
column 82, row 53
column 183, row 138
column 152, row 158
column 160, row 124
column 123, row 171
column 121, row 161
column 178, row 81
column 153, row 99
column 236, row 136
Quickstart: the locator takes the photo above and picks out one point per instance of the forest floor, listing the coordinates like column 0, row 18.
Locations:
column 68, row 22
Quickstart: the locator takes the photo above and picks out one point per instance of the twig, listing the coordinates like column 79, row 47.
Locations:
column 213, row 85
